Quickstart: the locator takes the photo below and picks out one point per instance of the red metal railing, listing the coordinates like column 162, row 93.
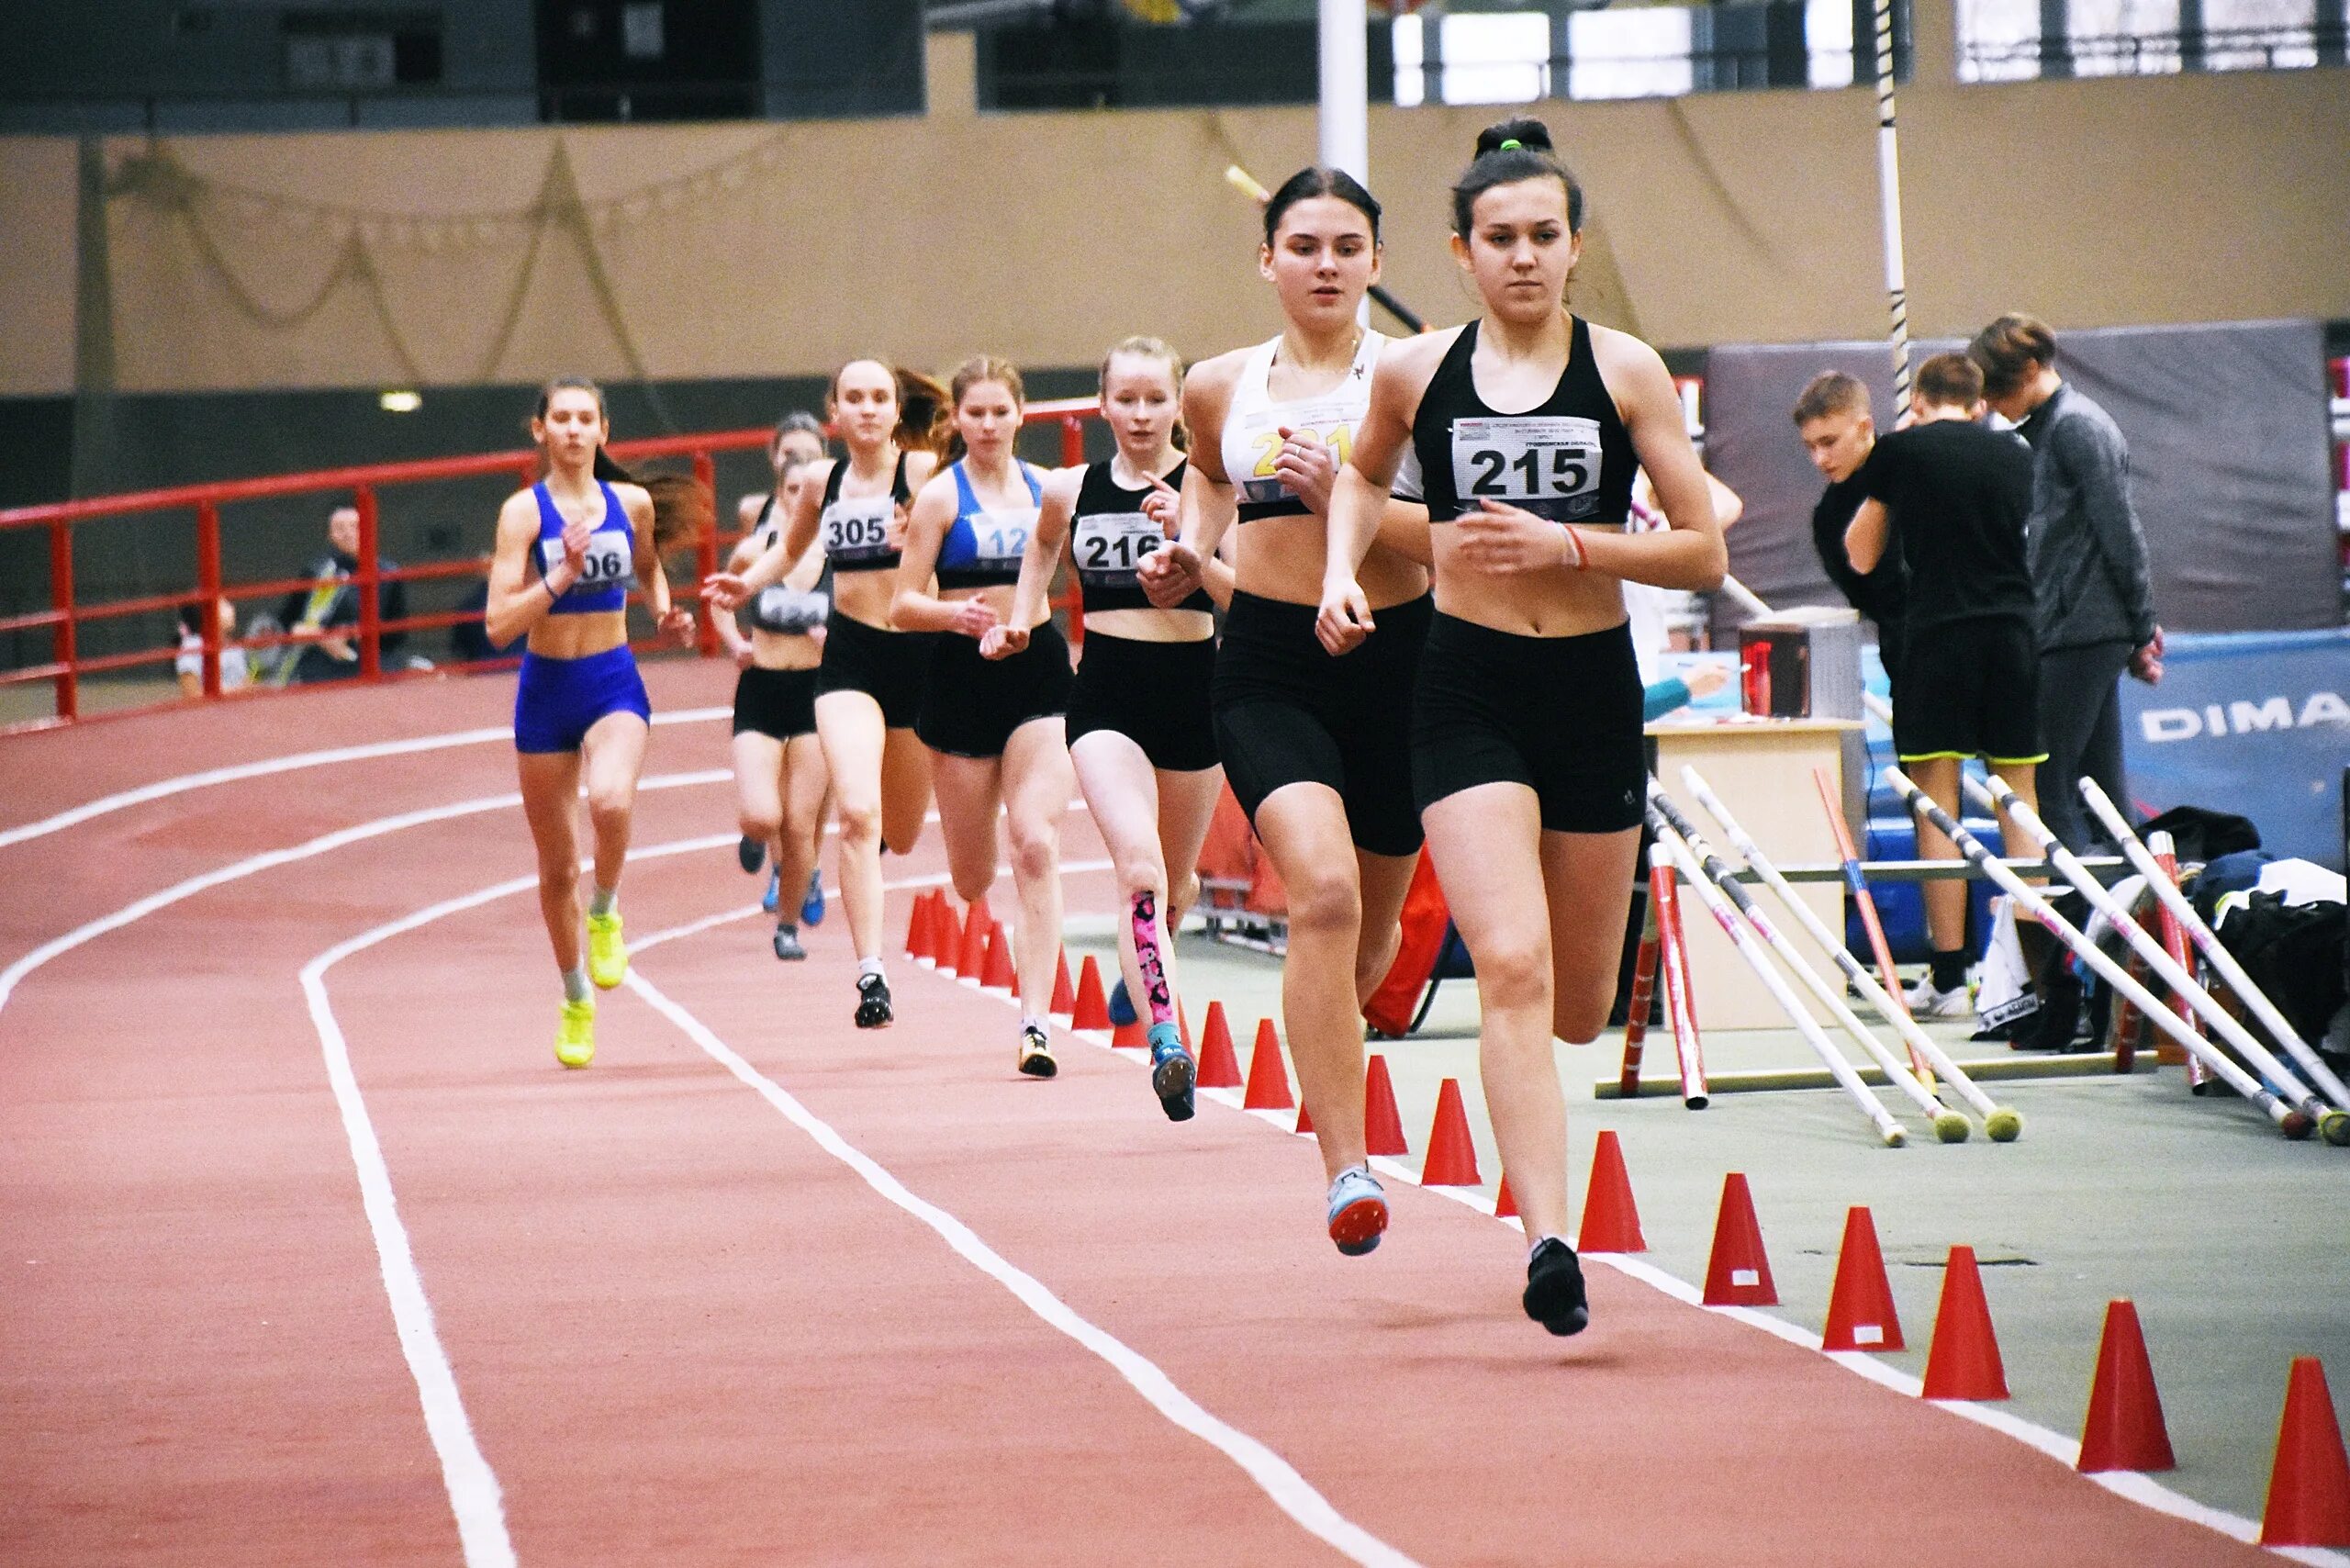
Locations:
column 66, row 614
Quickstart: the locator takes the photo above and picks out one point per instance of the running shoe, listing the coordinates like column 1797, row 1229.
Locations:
column 1926, row 1002
column 872, row 1002
column 1036, row 1052
column 1358, row 1210
column 787, row 942
column 812, row 908
column 752, row 853
column 606, row 954
column 575, row 1033
column 1554, row 1295
column 1172, row 1072
column 1122, row 1006
column 774, row 895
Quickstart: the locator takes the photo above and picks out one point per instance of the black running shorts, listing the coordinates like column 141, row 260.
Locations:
column 1155, row 694
column 1970, row 688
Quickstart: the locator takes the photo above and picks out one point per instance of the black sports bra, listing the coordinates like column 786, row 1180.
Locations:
column 1568, row 458
column 856, row 530
column 1108, row 537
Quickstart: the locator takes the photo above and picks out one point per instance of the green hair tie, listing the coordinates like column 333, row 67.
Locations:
column 1512, row 145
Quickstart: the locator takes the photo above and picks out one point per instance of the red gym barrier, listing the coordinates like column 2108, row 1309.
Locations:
column 66, row 667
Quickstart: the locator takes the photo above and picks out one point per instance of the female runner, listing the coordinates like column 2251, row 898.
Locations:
column 580, row 710
column 1317, row 748
column 780, row 773
column 1527, row 760
column 869, row 684
column 1139, row 728
column 993, row 726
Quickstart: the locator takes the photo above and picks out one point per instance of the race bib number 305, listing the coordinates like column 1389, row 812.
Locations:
column 1548, row 465
column 1109, row 546
column 607, row 563
column 857, row 529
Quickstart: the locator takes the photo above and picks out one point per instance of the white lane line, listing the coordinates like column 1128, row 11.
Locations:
column 1288, row 1491
column 473, row 1494
column 326, row 844
column 163, row 788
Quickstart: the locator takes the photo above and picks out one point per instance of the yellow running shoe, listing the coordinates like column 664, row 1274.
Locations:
column 575, row 1034
column 606, row 954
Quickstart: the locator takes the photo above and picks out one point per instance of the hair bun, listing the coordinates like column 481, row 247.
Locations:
column 1527, row 134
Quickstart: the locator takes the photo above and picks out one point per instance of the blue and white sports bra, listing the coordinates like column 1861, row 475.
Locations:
column 611, row 555
column 984, row 547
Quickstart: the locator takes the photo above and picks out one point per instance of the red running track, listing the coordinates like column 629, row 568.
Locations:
column 678, row 1328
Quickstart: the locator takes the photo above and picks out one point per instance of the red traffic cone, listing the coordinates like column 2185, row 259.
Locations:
column 1611, row 1221
column 1738, row 1272
column 1860, row 1307
column 1091, row 1010
column 1304, row 1121
column 1268, row 1079
column 1382, row 1126
column 1219, row 1065
column 1453, row 1154
column 938, row 927
column 1132, row 1036
column 1505, row 1204
column 1064, row 995
column 2124, row 1429
column 996, row 971
column 2308, row 1490
column 1963, row 1362
column 1184, row 1028
column 970, row 958
column 947, row 936
column 918, row 928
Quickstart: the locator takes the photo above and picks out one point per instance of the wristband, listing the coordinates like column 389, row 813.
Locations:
column 1575, row 540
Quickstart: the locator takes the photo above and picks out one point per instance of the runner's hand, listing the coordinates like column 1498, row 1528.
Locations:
column 973, row 618
column 1163, row 506
column 1504, row 538
column 676, row 625
column 1170, row 574
column 1307, row 469
column 724, row 590
column 1002, row 642
column 1345, row 617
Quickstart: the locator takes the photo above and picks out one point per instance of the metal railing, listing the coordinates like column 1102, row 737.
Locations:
column 66, row 667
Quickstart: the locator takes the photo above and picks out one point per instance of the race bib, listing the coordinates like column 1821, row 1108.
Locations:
column 858, row 528
column 1330, row 419
column 607, row 561
column 791, row 612
column 1548, row 465
column 999, row 538
column 1109, row 546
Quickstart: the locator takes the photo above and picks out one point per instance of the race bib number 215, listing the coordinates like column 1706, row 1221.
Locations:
column 1547, row 464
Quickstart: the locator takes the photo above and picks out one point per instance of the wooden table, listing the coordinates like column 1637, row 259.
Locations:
column 1761, row 769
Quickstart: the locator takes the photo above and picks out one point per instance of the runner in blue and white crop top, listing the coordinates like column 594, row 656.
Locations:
column 982, row 549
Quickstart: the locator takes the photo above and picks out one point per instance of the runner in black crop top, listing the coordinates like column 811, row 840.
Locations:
column 1108, row 537
column 1568, row 458
column 855, row 532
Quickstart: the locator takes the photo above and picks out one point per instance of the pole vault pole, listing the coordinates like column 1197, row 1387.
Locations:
column 1888, row 178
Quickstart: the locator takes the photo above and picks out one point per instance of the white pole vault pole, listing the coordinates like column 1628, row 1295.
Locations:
column 1888, row 176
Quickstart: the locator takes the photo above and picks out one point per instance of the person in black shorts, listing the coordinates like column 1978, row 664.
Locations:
column 1951, row 497
column 1838, row 432
column 1139, row 728
column 1527, row 763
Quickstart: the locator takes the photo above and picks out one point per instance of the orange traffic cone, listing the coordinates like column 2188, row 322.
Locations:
column 1091, row 1010
column 1383, row 1127
column 1738, row 1272
column 1219, row 1067
column 996, row 970
column 970, row 959
column 1134, row 1036
column 1860, row 1306
column 1268, row 1079
column 1505, row 1204
column 1611, row 1221
column 1064, row 996
column 946, row 933
column 2308, row 1490
column 1453, row 1154
column 2124, row 1429
column 1963, row 1362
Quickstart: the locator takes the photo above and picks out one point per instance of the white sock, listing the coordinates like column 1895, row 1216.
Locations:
column 602, row 899
column 574, row 985
column 869, row 967
column 1030, row 1021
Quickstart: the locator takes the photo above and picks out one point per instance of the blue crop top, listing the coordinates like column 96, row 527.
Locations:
column 611, row 555
column 984, row 547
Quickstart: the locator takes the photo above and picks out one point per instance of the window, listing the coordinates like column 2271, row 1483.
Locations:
column 1642, row 53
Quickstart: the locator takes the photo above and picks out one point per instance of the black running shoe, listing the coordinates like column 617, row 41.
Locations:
column 787, row 942
column 752, row 853
column 1554, row 1295
column 872, row 1002
column 1036, row 1053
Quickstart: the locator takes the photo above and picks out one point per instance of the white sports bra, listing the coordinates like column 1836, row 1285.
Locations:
column 1252, row 426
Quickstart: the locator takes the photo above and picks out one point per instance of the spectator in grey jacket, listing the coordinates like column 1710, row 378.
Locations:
column 2093, row 605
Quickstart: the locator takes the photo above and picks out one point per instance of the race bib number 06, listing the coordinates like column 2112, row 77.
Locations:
column 1110, row 545
column 1548, row 465
column 607, row 561
column 858, row 529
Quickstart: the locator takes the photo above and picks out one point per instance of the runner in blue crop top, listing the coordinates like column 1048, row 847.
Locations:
column 567, row 549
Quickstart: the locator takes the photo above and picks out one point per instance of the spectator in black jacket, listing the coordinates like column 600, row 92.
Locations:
column 331, row 602
column 2093, row 602
column 1833, row 419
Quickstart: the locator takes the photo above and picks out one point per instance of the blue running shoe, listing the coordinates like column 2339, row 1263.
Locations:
column 1122, row 1006
column 1172, row 1072
column 768, row 899
column 812, row 908
column 1358, row 1210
